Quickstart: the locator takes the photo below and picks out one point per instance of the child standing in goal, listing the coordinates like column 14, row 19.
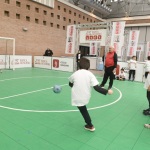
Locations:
column 81, row 82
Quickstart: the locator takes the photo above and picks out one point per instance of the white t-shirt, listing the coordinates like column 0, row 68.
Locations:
column 132, row 64
column 82, row 81
column 122, row 75
column 147, row 82
column 147, row 66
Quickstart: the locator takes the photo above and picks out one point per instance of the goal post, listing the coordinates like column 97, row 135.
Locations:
column 7, row 53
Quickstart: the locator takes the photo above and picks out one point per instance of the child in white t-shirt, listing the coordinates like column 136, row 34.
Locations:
column 81, row 82
column 132, row 67
column 121, row 76
column 147, row 66
column 147, row 87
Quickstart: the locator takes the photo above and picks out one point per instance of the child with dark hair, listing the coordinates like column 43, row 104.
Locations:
column 147, row 66
column 121, row 76
column 81, row 82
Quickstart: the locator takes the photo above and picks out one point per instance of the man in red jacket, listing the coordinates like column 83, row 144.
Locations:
column 110, row 63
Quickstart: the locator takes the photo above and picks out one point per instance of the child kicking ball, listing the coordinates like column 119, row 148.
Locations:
column 81, row 82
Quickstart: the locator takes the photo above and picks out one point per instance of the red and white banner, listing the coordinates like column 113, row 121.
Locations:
column 117, row 38
column 71, row 39
column 42, row 62
column 133, row 42
column 89, row 36
column 148, row 49
column 62, row 64
column 94, row 46
column 20, row 61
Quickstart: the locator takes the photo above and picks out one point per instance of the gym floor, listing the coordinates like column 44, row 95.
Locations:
column 33, row 117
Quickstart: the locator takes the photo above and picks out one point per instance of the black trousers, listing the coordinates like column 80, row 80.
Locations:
column 108, row 74
column 85, row 114
column 78, row 65
column 146, row 74
column 148, row 97
column 132, row 73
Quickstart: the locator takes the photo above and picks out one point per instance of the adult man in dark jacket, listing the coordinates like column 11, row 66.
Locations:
column 110, row 63
column 78, row 57
column 48, row 52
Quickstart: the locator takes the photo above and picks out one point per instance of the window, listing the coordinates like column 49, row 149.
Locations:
column 64, row 18
column 64, row 28
column 74, row 22
column 6, row 13
column 52, row 14
column 58, row 7
column 58, row 16
column 45, row 12
column 90, row 20
column 69, row 11
column 58, row 26
column 17, row 16
column 65, row 10
column 36, row 20
column 87, row 19
column 37, row 10
column 51, row 24
column 27, row 18
column 83, row 17
column 18, row 4
column 28, row 7
column 69, row 20
column 75, row 14
column 44, row 23
column 79, row 16
column 7, row 1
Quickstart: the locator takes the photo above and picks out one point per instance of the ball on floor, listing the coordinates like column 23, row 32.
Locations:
column 57, row 88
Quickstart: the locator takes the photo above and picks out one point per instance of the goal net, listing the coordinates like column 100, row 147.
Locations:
column 7, row 53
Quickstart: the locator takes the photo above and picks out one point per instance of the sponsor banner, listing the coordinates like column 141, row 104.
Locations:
column 4, row 61
column 133, row 42
column 42, row 62
column 71, row 39
column 20, row 61
column 117, row 38
column 94, row 47
column 63, row 64
column 140, row 47
column 89, row 36
column 148, row 49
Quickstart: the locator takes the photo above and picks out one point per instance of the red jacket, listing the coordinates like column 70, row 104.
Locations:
column 109, row 60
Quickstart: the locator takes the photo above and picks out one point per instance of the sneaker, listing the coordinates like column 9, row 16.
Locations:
column 87, row 127
column 147, row 126
column 146, row 112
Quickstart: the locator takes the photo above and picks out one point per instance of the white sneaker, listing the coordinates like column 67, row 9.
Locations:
column 89, row 128
column 147, row 126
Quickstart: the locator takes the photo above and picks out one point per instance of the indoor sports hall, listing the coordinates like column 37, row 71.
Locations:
column 33, row 117
column 47, row 46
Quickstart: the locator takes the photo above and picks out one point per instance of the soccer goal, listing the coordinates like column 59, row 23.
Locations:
column 7, row 53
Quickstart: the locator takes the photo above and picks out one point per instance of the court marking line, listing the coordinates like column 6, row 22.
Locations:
column 54, row 111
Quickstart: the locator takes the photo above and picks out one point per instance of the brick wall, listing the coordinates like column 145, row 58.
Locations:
column 45, row 29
